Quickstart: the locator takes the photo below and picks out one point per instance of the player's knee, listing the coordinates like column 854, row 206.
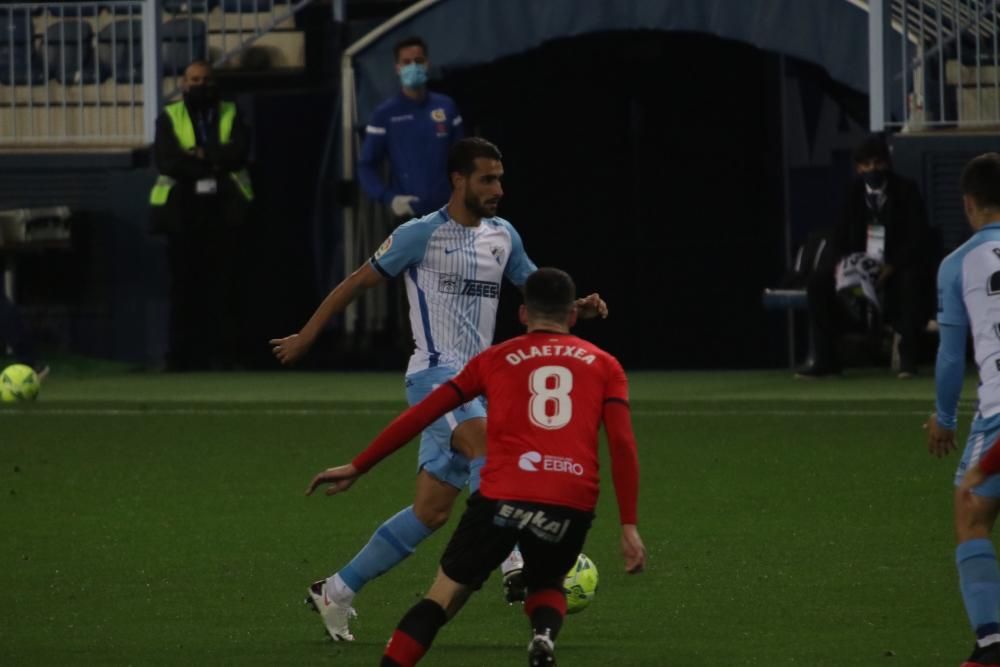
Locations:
column 432, row 515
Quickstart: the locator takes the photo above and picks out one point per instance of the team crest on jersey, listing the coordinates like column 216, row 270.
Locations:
column 439, row 116
column 384, row 248
column 450, row 283
column 498, row 253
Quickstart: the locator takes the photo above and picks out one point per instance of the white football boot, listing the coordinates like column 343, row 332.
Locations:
column 513, row 579
column 335, row 615
column 542, row 651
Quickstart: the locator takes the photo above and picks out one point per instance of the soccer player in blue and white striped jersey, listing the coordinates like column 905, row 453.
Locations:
column 452, row 261
column 969, row 302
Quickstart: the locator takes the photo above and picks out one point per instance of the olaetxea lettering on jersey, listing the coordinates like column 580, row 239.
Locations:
column 519, row 355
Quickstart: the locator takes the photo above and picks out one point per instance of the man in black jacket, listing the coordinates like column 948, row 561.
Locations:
column 200, row 201
column 885, row 218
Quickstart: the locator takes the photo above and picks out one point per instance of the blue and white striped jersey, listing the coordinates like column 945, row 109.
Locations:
column 969, row 296
column 453, row 276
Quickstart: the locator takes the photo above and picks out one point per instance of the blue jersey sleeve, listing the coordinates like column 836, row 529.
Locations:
column 404, row 247
column 519, row 266
column 373, row 153
column 951, row 305
column 949, row 372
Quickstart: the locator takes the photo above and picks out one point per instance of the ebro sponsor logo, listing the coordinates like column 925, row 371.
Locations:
column 529, row 461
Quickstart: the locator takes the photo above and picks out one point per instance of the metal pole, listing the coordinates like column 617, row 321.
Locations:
column 347, row 169
column 339, row 10
column 152, row 93
column 876, row 65
column 786, row 197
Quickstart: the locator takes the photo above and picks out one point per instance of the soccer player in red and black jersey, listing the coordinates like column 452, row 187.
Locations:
column 547, row 392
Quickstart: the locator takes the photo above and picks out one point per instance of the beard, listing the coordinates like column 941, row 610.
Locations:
column 482, row 209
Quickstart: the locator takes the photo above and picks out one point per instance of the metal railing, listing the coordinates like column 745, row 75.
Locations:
column 947, row 72
column 87, row 73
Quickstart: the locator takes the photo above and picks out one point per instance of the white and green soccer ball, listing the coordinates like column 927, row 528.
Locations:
column 580, row 584
column 18, row 383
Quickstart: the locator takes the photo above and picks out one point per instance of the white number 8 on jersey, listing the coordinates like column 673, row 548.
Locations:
column 542, row 394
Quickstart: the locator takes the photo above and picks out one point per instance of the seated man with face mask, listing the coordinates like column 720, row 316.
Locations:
column 885, row 219
column 199, row 201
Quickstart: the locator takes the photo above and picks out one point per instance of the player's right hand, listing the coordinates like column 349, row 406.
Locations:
column 340, row 479
column 940, row 440
column 402, row 205
column 289, row 349
column 633, row 550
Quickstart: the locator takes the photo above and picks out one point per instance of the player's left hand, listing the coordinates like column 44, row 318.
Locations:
column 591, row 306
column 940, row 440
column 633, row 550
column 340, row 479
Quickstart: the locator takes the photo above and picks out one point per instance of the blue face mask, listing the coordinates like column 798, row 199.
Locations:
column 413, row 75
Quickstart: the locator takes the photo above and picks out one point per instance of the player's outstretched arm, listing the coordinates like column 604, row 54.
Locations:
column 403, row 429
column 591, row 306
column 290, row 349
column 340, row 479
column 633, row 550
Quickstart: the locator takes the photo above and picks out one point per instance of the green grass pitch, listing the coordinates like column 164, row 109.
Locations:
column 151, row 519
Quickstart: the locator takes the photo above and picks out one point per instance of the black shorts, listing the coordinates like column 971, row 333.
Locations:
column 549, row 536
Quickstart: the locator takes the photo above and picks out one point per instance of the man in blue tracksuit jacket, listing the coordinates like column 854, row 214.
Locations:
column 415, row 128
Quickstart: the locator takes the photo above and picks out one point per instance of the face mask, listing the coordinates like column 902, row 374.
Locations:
column 200, row 97
column 413, row 75
column 875, row 179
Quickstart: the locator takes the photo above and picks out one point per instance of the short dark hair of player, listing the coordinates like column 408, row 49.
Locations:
column 981, row 180
column 408, row 42
column 463, row 153
column 874, row 147
column 549, row 294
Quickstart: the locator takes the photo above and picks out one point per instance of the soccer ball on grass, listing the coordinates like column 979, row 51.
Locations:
column 580, row 584
column 18, row 383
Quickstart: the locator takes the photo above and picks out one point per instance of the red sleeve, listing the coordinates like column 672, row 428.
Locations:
column 621, row 443
column 990, row 463
column 453, row 393
column 408, row 425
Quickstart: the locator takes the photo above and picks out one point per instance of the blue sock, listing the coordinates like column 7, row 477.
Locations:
column 394, row 540
column 979, row 579
column 475, row 465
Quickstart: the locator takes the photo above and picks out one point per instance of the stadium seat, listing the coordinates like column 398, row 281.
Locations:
column 70, row 51
column 182, row 40
column 20, row 62
column 119, row 49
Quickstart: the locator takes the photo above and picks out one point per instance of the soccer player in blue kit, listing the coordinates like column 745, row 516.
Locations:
column 452, row 262
column 969, row 300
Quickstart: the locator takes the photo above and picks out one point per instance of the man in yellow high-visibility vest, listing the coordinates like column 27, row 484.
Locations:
column 199, row 201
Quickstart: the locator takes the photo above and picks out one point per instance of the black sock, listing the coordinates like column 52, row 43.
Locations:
column 414, row 634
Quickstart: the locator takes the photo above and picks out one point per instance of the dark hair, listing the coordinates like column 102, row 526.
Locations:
column 549, row 293
column 463, row 153
column 981, row 180
column 409, row 41
column 874, row 147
